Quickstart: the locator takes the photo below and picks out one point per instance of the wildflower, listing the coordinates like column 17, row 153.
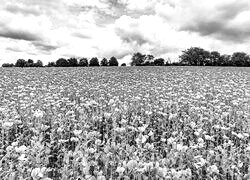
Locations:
column 77, row 132
column 150, row 133
column 75, row 139
column 170, row 140
column 38, row 113
column 9, row 148
column 7, row 125
column 14, row 143
column 213, row 169
column 120, row 169
column 21, row 149
column 209, row 138
column 38, row 173
column 131, row 164
column 22, row 158
column 193, row 125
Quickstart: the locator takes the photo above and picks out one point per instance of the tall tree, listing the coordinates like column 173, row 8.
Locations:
column 240, row 59
column 94, row 62
column 51, row 64
column 83, row 62
column 30, row 63
column 104, row 62
column 194, row 56
column 72, row 62
column 138, row 59
column 113, row 61
column 149, row 60
column 159, row 62
column 214, row 58
column 62, row 62
column 38, row 63
column 20, row 63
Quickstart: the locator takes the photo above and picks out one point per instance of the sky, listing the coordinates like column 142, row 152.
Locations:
column 51, row 29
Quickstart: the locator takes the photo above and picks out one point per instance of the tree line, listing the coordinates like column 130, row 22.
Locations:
column 193, row 56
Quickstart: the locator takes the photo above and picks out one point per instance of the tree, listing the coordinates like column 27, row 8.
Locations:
column 38, row 63
column 104, row 62
column 194, row 56
column 62, row 62
column 20, row 63
column 94, row 62
column 137, row 59
column 8, row 65
column 214, row 58
column 240, row 59
column 83, row 62
column 113, row 61
column 123, row 64
column 159, row 62
column 72, row 62
column 29, row 63
column 51, row 64
column 148, row 60
column 224, row 60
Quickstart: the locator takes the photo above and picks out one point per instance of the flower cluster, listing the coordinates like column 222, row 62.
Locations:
column 125, row 123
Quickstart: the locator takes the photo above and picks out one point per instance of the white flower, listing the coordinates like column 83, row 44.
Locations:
column 170, row 140
column 120, row 169
column 21, row 149
column 213, row 169
column 150, row 133
column 7, row 125
column 22, row 158
column 75, row 139
column 131, row 164
column 193, row 125
column 38, row 173
column 14, row 143
column 9, row 148
column 209, row 138
column 77, row 132
column 38, row 113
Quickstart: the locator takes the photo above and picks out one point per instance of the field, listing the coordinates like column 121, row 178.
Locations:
column 125, row 123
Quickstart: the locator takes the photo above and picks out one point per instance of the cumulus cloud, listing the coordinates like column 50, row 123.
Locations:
column 49, row 29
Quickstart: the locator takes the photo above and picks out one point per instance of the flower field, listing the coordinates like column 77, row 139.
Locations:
column 125, row 123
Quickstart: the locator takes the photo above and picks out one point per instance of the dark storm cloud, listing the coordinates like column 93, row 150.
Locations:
column 18, row 34
column 218, row 24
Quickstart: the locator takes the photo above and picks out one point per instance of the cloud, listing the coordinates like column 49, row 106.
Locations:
column 213, row 19
column 18, row 34
column 105, row 28
column 14, row 8
column 44, row 46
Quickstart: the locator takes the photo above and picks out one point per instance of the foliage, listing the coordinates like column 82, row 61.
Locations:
column 104, row 62
column 125, row 123
column 62, row 63
column 94, row 62
column 113, row 61
column 195, row 56
column 138, row 59
column 20, row 63
column 159, row 62
column 83, row 62
column 8, row 65
column 72, row 62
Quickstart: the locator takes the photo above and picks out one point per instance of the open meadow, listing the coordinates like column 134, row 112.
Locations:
column 125, row 123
